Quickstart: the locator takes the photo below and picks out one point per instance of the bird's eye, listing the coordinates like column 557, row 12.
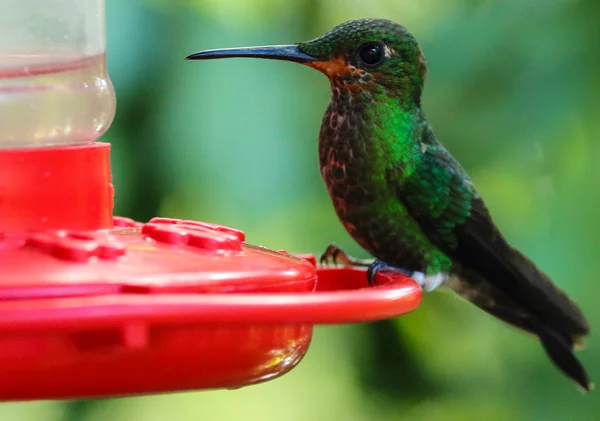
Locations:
column 371, row 54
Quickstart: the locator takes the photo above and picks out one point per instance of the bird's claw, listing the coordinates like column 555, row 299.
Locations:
column 331, row 254
column 337, row 255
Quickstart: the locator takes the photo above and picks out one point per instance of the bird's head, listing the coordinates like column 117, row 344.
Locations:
column 359, row 55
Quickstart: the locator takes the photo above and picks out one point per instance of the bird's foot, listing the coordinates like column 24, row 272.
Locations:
column 429, row 282
column 336, row 255
column 378, row 266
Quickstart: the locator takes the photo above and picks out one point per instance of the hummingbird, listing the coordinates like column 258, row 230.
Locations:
column 405, row 199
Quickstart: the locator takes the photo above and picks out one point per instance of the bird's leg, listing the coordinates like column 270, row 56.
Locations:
column 379, row 265
column 337, row 255
column 427, row 282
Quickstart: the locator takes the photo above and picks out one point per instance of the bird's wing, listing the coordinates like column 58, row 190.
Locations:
column 443, row 201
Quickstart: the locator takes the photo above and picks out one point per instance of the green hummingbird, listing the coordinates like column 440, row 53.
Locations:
column 404, row 198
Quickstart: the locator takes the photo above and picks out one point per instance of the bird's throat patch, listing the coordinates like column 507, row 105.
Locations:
column 334, row 67
column 343, row 74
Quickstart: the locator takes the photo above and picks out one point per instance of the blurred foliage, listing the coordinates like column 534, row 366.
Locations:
column 513, row 92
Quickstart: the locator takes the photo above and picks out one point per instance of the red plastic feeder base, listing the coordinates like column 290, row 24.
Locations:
column 165, row 306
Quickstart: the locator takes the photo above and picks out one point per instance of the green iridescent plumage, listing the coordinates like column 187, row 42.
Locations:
column 404, row 198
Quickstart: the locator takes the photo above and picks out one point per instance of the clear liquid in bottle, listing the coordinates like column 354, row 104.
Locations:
column 52, row 101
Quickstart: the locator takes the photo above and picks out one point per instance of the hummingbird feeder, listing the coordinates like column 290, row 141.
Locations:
column 93, row 305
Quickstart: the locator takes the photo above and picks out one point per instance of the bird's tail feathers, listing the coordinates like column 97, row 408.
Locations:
column 559, row 345
column 560, row 350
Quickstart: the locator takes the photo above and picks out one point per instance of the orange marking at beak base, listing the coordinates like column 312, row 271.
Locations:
column 335, row 67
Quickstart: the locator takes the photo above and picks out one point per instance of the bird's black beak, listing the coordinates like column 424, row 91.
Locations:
column 273, row 52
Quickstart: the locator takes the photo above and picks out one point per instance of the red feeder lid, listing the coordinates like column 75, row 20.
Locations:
column 164, row 306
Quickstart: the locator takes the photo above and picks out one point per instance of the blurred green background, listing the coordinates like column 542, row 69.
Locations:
column 513, row 91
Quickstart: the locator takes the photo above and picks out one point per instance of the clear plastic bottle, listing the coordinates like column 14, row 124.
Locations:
column 54, row 86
